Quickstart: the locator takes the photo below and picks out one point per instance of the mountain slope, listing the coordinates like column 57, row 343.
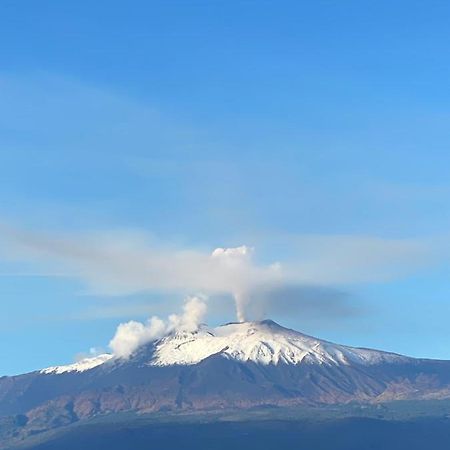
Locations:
column 234, row 366
column 263, row 342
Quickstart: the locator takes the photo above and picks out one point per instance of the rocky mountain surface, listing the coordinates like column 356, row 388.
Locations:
column 238, row 365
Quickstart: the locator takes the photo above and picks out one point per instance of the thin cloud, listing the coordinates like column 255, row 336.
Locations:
column 128, row 263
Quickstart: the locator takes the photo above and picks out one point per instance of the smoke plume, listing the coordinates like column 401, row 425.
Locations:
column 123, row 265
column 127, row 263
column 131, row 335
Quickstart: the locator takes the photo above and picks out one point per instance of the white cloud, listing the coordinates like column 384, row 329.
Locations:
column 131, row 335
column 119, row 264
column 348, row 259
column 232, row 254
column 126, row 263
column 194, row 312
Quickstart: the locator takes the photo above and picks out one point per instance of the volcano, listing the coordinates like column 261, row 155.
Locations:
column 237, row 366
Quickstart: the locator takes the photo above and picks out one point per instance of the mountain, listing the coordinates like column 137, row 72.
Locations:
column 262, row 343
column 236, row 366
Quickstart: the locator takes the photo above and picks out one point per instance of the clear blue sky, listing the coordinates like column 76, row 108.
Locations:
column 221, row 123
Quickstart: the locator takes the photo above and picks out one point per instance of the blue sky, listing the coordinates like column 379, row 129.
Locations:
column 285, row 126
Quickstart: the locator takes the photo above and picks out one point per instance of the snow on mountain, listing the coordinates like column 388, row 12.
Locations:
column 234, row 366
column 261, row 342
column 80, row 366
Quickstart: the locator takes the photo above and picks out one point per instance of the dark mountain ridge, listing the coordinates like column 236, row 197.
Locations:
column 236, row 366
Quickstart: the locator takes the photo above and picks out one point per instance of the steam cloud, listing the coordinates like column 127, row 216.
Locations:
column 112, row 264
column 235, row 259
column 121, row 265
column 131, row 335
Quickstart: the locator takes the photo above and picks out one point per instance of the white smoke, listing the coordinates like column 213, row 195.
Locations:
column 194, row 312
column 131, row 335
column 236, row 260
column 125, row 264
column 233, row 253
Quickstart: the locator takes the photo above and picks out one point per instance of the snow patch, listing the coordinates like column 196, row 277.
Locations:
column 262, row 343
column 80, row 366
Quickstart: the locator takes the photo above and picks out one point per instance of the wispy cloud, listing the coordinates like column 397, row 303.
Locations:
column 351, row 259
column 129, row 263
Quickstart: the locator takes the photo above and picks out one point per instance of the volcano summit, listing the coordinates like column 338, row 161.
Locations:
column 237, row 365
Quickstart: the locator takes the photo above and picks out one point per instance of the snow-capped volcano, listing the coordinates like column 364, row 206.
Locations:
column 237, row 365
column 263, row 342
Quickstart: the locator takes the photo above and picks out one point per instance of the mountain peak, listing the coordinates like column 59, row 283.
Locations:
column 254, row 322
column 264, row 342
column 248, row 364
column 269, row 322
